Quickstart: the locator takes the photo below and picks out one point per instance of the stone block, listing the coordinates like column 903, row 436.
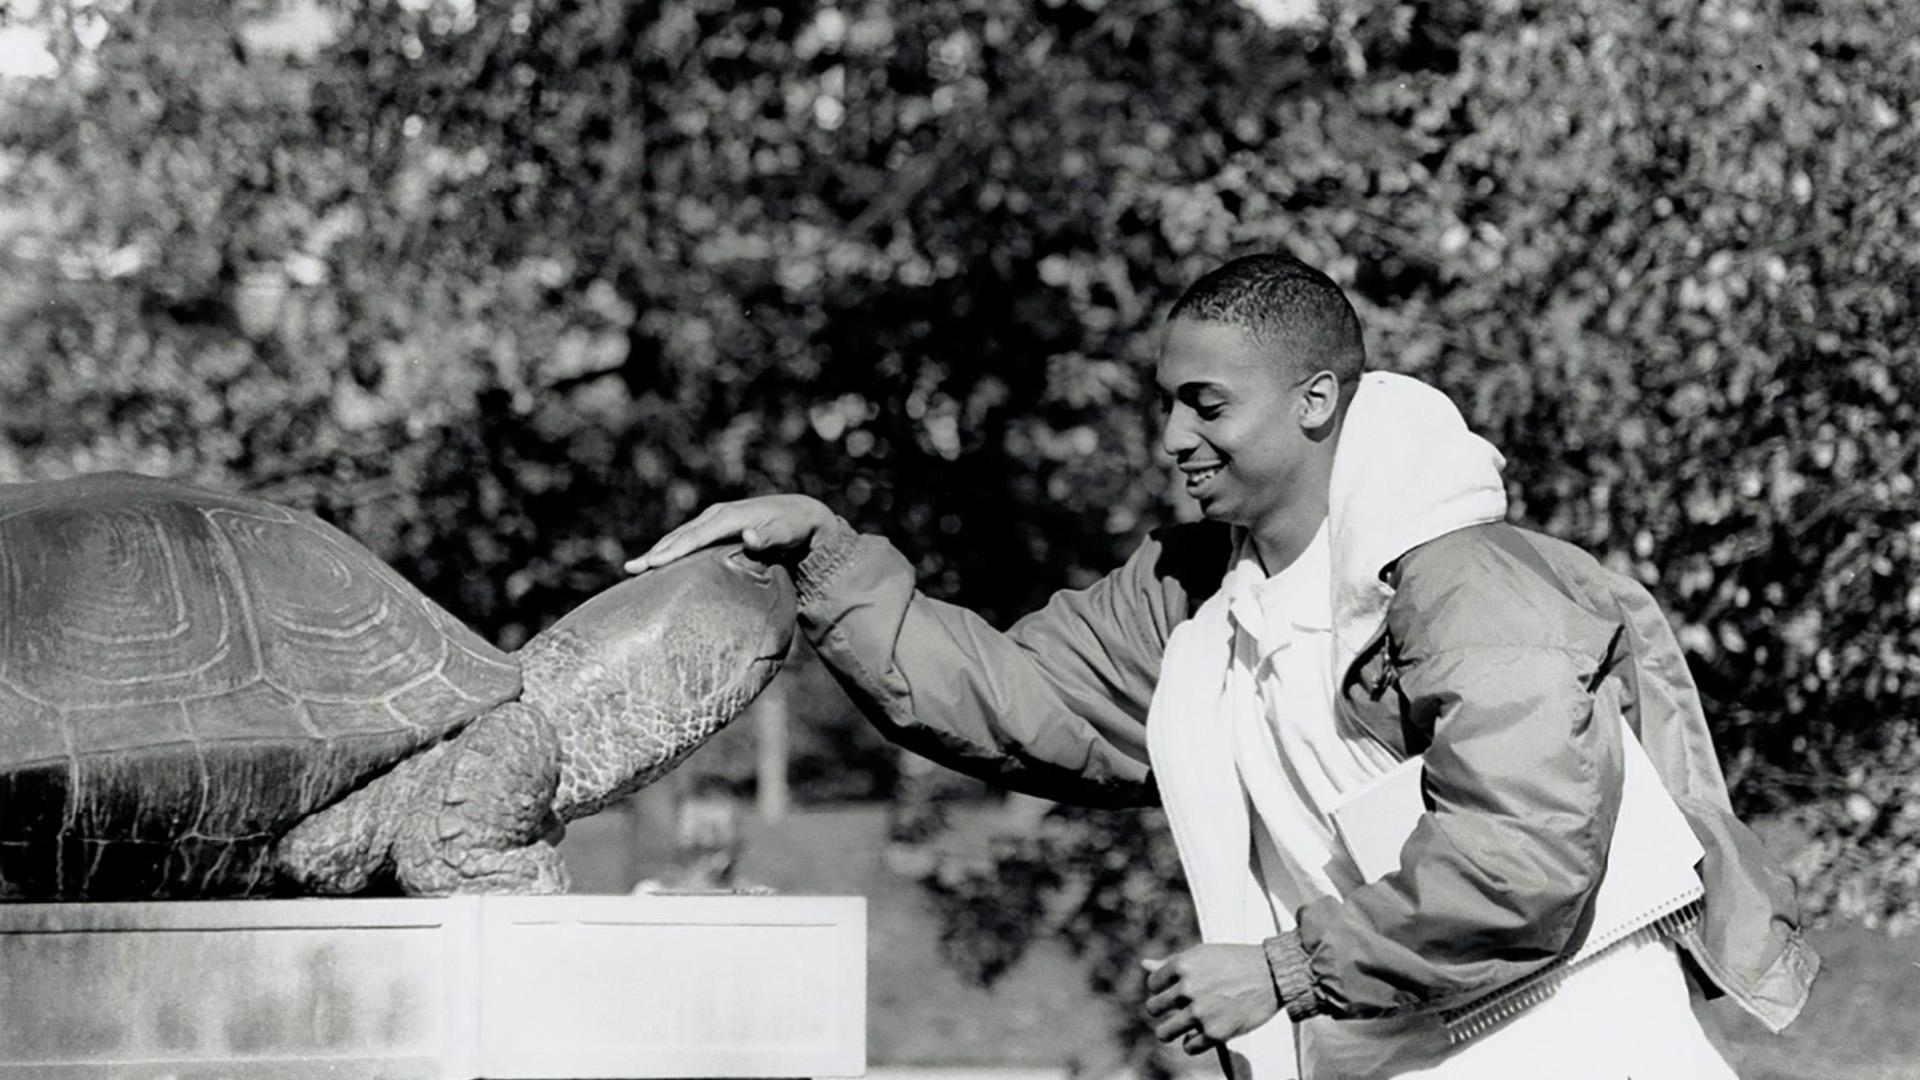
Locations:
column 445, row 989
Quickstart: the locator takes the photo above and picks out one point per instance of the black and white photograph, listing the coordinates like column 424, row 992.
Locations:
column 959, row 539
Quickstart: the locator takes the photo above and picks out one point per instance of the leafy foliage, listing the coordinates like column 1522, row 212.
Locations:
column 507, row 287
column 1105, row 883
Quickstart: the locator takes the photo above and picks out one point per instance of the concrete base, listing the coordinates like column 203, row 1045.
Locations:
column 453, row 989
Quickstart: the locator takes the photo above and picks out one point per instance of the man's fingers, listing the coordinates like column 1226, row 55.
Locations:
column 762, row 523
column 1172, row 1027
column 1197, row 1043
column 1161, row 976
column 664, row 551
column 771, row 533
column 1166, row 1001
column 661, row 553
column 711, row 527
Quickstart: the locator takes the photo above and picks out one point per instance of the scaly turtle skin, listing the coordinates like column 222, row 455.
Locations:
column 185, row 676
column 617, row 693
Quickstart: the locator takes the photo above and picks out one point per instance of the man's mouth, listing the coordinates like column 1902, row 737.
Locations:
column 1198, row 477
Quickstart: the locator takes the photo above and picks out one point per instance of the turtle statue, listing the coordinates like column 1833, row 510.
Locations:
column 210, row 695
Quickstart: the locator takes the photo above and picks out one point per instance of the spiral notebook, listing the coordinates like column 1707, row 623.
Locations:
column 1651, row 888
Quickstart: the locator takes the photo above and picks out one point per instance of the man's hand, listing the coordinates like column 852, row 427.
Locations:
column 1209, row 994
column 769, row 523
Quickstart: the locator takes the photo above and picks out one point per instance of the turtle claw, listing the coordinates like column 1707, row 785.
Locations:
column 319, row 864
column 534, row 870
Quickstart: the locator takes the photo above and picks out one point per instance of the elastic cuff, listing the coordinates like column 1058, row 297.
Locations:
column 1292, row 975
column 832, row 549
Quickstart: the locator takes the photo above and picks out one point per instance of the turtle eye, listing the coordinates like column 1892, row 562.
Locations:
column 743, row 563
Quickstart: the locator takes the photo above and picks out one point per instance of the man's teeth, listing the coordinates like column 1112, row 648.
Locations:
column 1203, row 475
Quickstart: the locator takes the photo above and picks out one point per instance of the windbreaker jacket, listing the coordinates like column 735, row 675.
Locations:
column 1503, row 657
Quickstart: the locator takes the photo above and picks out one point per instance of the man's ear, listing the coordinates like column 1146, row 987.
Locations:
column 1319, row 400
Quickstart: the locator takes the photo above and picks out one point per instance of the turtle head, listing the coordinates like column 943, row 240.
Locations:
column 720, row 603
column 643, row 673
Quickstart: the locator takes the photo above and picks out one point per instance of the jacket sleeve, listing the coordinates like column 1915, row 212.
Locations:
column 1522, row 781
column 1055, row 706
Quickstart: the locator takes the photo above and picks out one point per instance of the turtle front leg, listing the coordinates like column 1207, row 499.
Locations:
column 473, row 814
column 486, row 824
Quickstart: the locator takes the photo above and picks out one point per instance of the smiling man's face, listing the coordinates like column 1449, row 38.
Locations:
column 1233, row 417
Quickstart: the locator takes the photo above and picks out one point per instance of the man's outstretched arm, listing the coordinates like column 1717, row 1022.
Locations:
column 1055, row 706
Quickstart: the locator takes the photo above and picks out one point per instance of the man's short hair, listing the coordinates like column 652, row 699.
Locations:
column 1285, row 305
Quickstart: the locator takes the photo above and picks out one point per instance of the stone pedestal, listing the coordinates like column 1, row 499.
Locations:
column 453, row 989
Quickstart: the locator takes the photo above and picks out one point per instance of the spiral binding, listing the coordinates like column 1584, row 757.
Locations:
column 1484, row 1014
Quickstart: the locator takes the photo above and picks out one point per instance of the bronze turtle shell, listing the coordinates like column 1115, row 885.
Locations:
column 184, row 675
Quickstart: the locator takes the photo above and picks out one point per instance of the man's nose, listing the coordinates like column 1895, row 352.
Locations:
column 1176, row 435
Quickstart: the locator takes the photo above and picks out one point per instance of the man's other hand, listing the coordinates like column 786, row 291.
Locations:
column 1209, row 994
column 768, row 524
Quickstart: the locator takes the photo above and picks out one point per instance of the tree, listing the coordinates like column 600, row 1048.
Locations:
column 507, row 288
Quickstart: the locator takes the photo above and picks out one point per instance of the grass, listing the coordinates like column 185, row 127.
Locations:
column 1863, row 1022
column 1860, row 1023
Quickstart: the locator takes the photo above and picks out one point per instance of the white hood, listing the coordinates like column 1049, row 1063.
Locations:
column 1407, row 470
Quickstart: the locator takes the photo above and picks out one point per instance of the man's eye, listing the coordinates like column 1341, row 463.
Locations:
column 1209, row 412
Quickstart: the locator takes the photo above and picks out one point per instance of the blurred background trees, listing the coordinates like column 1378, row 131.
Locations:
column 508, row 288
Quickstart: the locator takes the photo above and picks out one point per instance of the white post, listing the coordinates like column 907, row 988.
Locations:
column 771, row 740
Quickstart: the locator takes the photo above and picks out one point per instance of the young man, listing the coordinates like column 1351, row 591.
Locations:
column 1354, row 598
